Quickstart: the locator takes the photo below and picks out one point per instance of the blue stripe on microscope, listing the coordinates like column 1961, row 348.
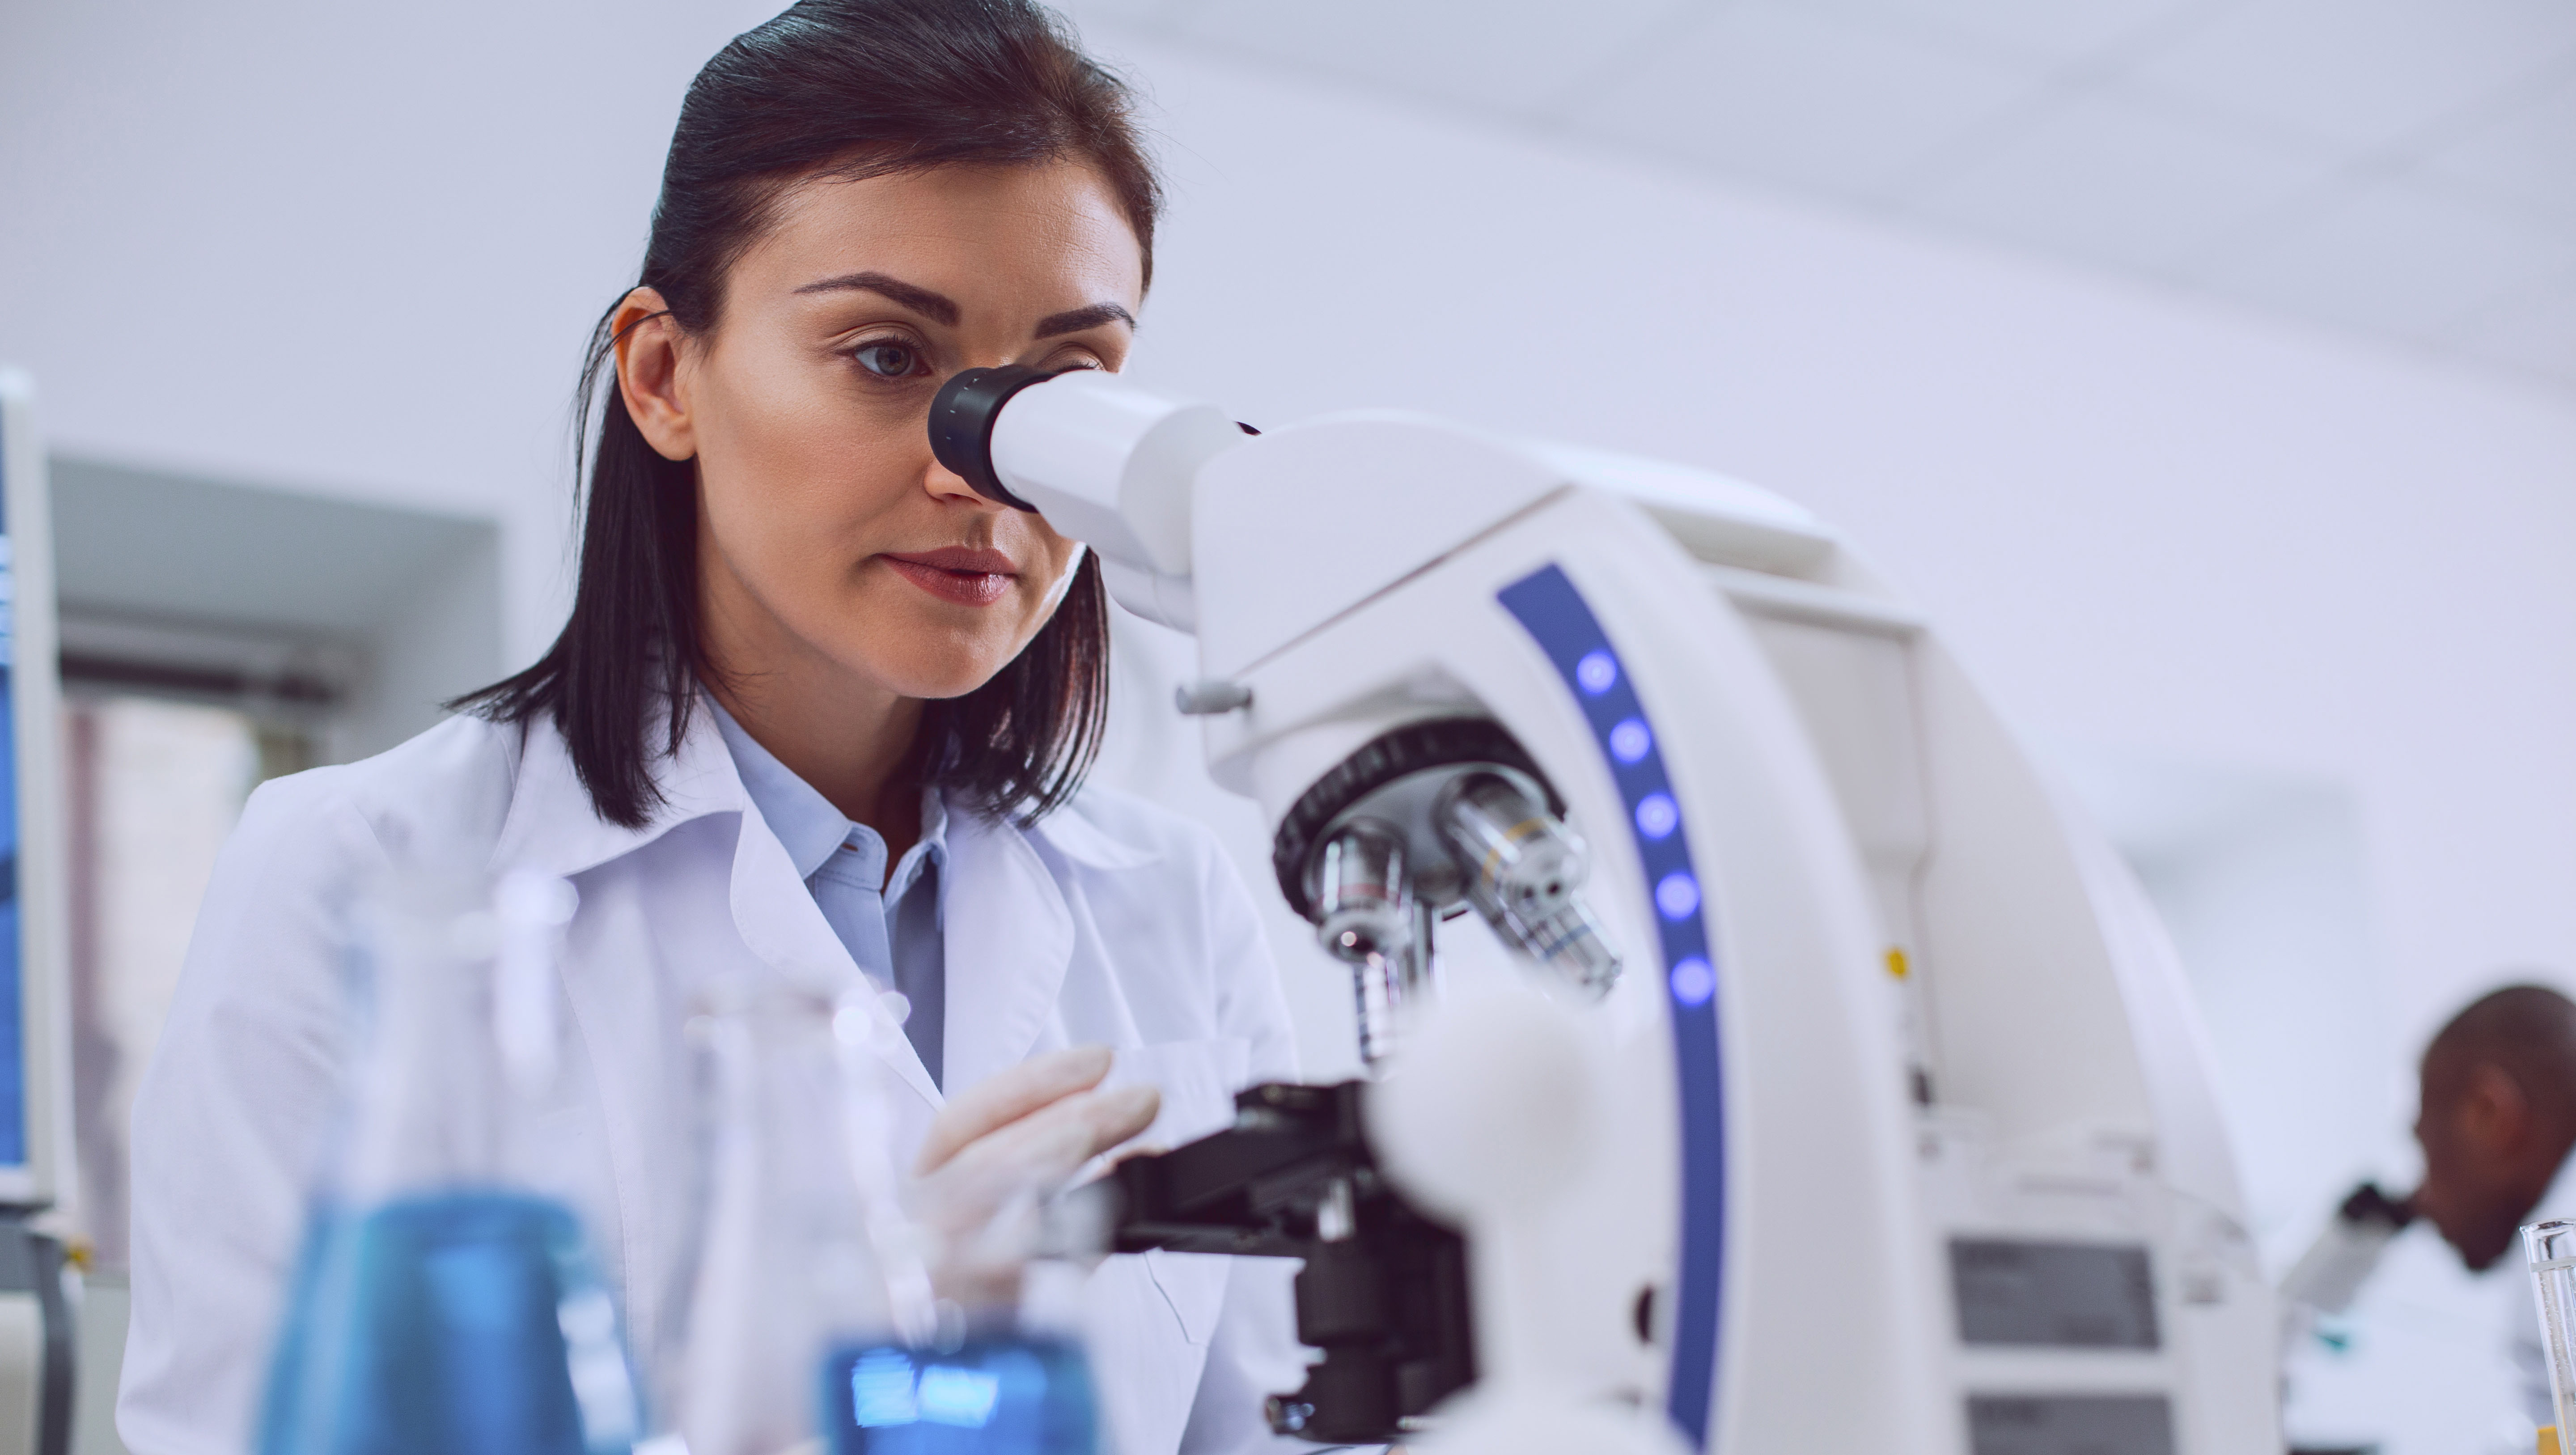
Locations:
column 1554, row 613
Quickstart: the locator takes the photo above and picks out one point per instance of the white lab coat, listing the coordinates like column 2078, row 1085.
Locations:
column 1109, row 922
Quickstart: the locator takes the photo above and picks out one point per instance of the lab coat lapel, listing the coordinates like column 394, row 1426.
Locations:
column 552, row 828
column 777, row 917
column 1009, row 938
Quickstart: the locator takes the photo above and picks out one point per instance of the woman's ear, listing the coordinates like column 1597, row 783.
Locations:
column 648, row 374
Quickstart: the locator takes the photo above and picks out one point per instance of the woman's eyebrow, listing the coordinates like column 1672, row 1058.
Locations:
column 937, row 307
column 1076, row 320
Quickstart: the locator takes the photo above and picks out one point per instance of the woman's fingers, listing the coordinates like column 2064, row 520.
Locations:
column 1011, row 1096
column 1121, row 1116
column 1046, row 1148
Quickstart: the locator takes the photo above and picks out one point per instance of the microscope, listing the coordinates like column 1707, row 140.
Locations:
column 1850, row 1099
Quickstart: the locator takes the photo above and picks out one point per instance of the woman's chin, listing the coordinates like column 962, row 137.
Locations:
column 941, row 680
column 912, row 652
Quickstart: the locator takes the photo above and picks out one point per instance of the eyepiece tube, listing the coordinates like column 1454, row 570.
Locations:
column 961, row 425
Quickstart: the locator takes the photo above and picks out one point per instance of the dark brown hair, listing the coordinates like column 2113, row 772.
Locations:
column 846, row 89
column 2526, row 1031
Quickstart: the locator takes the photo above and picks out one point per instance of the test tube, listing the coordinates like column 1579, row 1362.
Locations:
column 2551, row 1247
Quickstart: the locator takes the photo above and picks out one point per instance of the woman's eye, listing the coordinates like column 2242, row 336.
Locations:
column 887, row 360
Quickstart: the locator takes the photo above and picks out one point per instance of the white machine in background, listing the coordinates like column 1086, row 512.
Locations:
column 1872, row 1114
column 38, row 1296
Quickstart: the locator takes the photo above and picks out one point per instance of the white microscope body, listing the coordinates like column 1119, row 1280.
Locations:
column 1896, row 1133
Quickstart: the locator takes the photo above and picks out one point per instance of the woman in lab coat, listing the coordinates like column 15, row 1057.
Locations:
column 821, row 713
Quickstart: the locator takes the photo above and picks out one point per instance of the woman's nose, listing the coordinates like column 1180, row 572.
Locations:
column 946, row 484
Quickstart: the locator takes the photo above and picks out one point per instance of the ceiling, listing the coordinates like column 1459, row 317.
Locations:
column 2401, row 168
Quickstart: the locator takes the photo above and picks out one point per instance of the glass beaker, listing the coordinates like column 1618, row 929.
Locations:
column 440, row 1304
column 2551, row 1248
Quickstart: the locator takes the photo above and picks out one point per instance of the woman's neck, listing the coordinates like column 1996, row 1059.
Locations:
column 853, row 741
column 857, row 752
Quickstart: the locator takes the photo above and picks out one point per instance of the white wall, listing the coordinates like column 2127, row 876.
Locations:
column 350, row 248
column 357, row 249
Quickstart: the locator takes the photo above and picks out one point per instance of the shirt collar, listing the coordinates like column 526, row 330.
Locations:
column 805, row 821
column 807, row 824
column 552, row 827
column 928, row 851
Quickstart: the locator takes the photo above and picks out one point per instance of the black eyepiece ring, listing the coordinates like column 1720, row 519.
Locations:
column 961, row 424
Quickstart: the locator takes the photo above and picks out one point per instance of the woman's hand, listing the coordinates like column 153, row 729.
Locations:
column 999, row 1151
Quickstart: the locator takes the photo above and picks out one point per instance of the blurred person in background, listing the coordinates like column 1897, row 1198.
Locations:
column 2497, row 1122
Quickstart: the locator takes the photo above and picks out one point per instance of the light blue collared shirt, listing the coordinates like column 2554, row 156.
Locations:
column 889, row 923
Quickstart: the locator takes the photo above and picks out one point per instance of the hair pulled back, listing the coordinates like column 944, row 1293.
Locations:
column 843, row 90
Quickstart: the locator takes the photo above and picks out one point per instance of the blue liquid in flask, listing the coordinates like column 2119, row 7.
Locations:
column 463, row 1322
column 989, row 1397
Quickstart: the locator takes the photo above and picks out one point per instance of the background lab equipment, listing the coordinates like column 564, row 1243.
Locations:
column 38, row 1296
column 2329, row 1275
column 1873, row 1116
column 2549, row 1252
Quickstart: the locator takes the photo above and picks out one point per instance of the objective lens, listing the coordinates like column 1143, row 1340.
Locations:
column 1517, row 858
column 1525, row 873
column 1364, row 899
column 1367, row 918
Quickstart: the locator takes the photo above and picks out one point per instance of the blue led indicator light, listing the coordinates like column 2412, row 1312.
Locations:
column 1558, row 619
column 1658, row 816
column 1597, row 673
column 1630, row 742
column 1694, row 982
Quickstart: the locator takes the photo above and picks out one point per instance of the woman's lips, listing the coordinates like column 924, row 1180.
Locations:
column 954, row 573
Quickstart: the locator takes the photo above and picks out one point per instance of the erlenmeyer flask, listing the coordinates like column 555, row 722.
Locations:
column 813, row 1323
column 786, row 1265
column 441, row 1305
column 1002, row 1371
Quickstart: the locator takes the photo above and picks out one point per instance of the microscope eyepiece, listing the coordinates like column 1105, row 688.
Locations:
column 961, row 424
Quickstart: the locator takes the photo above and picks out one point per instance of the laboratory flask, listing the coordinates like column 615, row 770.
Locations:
column 443, row 1304
column 2551, row 1248
column 815, row 1318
